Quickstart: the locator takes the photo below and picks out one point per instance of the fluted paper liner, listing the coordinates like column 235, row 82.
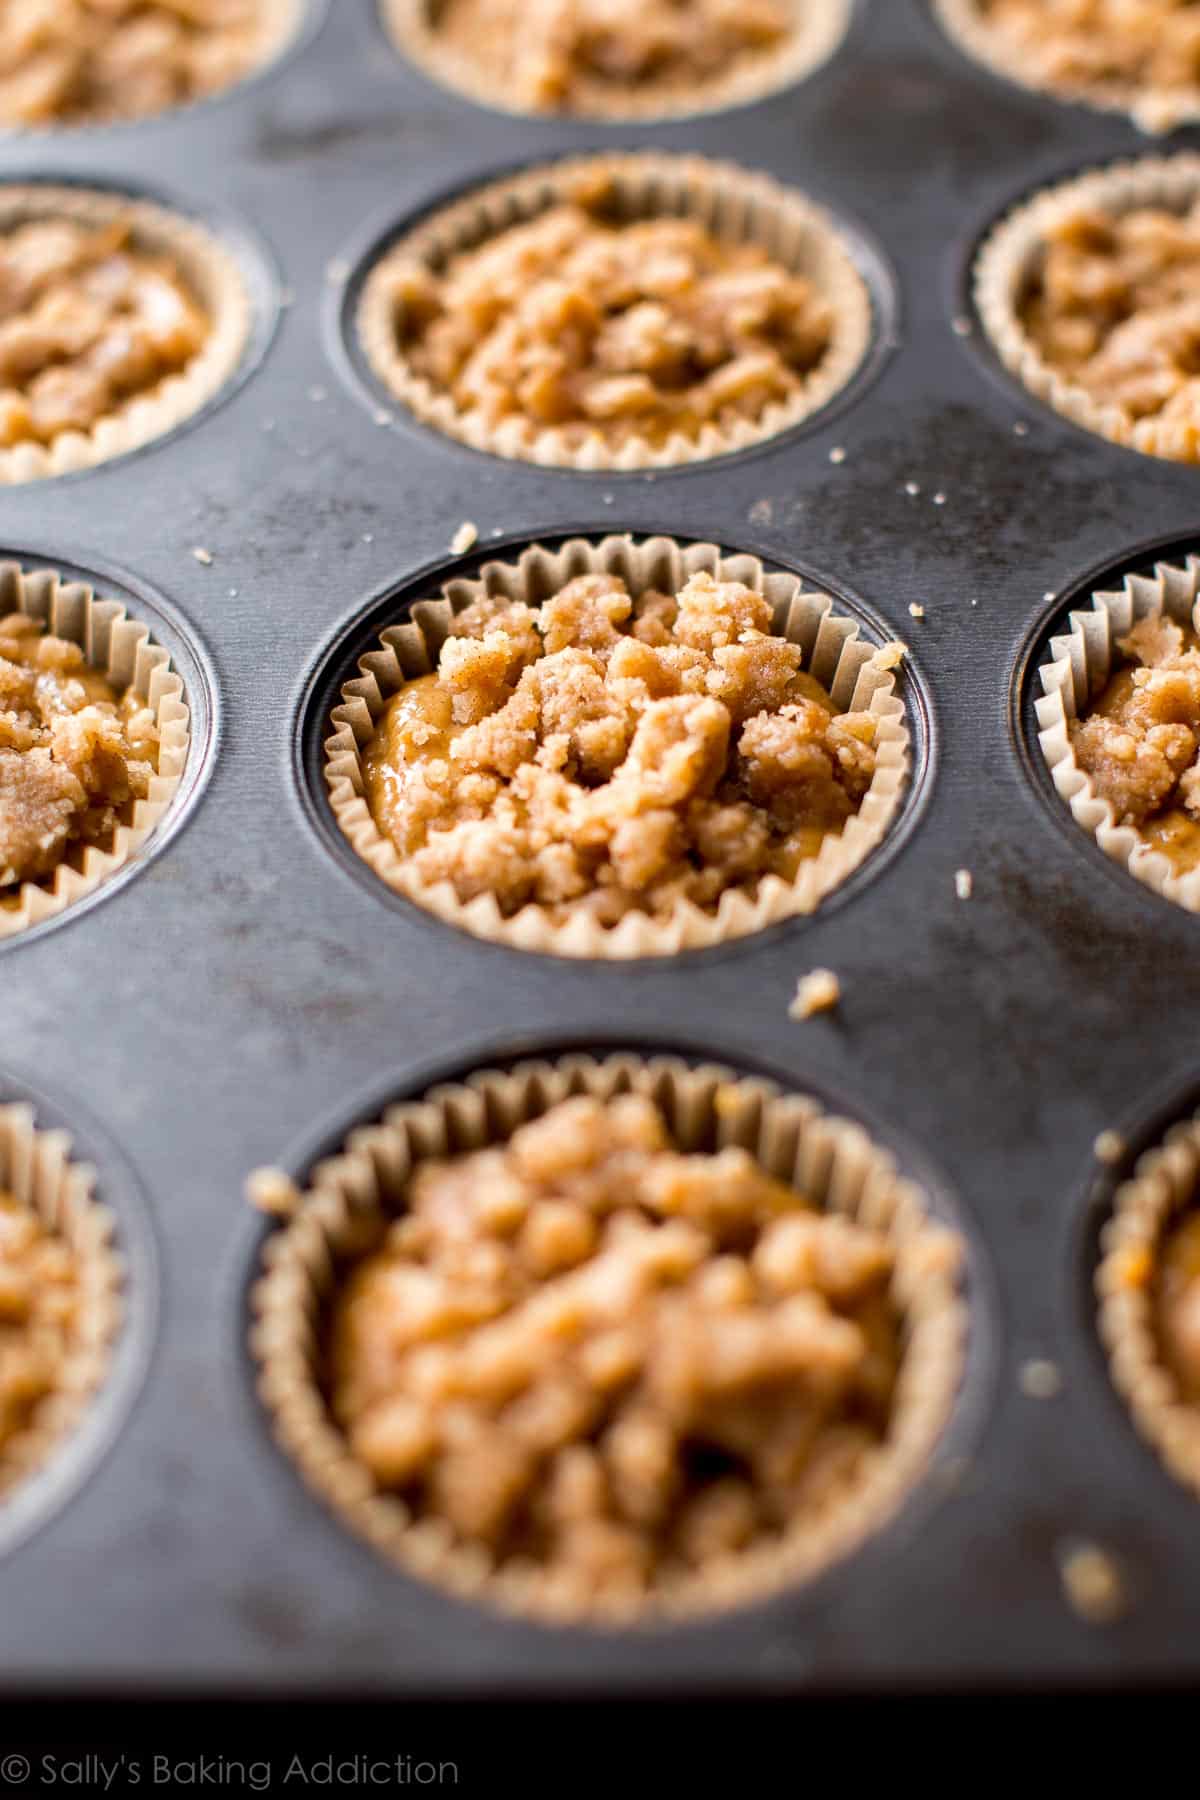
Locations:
column 1163, row 1185
column 122, row 649
column 281, row 22
column 208, row 270
column 817, row 28
column 1076, row 668
column 351, row 1197
column 727, row 201
column 37, row 1169
column 1012, row 253
column 833, row 653
column 1152, row 109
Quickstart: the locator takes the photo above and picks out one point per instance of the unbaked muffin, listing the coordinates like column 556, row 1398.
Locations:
column 72, row 62
column 75, row 756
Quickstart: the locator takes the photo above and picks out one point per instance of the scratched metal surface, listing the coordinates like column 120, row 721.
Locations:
column 246, row 983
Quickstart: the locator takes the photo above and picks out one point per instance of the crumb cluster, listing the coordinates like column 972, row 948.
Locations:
column 1177, row 1303
column 83, row 61
column 75, row 755
column 1150, row 47
column 610, row 1364
column 584, row 55
column 596, row 326
column 1139, row 741
column 609, row 752
column 87, row 322
column 1113, row 307
column 39, row 1317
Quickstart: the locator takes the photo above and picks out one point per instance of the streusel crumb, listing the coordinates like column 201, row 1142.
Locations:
column 39, row 1317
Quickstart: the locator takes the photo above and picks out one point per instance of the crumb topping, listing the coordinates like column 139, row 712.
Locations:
column 1076, row 45
column 1139, row 740
column 39, row 1316
column 75, row 755
column 595, row 326
column 609, row 752
column 1176, row 1300
column 1113, row 307
column 87, row 322
column 77, row 61
column 609, row 1363
column 577, row 55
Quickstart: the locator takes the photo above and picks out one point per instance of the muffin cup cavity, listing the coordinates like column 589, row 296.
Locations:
column 1011, row 254
column 209, row 270
column 1076, row 667
column 833, row 652
column 727, row 201
column 1163, row 1185
column 351, row 1196
column 37, row 1169
column 818, row 27
column 122, row 649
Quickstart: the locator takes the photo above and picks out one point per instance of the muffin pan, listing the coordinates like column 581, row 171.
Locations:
column 255, row 992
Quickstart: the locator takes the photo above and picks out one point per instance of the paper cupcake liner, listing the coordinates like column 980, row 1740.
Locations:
column 208, row 270
column 1075, row 669
column 122, row 649
column 1151, row 109
column 352, row 1196
column 1164, row 1183
column 37, row 1169
column 833, row 653
column 1012, row 253
column 818, row 28
column 728, row 201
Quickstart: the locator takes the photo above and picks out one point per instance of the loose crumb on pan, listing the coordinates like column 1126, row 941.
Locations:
column 203, row 556
column 837, row 454
column 464, row 538
column 1109, row 1147
column 818, row 991
column 1040, row 1379
column 916, row 610
column 273, row 1192
column 1093, row 1584
column 912, row 488
column 964, row 883
column 890, row 656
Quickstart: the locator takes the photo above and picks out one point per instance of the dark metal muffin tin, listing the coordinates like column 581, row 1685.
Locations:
column 249, row 981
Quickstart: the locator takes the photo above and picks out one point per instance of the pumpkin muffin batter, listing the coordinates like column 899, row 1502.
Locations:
column 40, row 1306
column 609, row 1363
column 83, row 61
column 87, row 323
column 75, row 755
column 580, row 55
column 609, row 753
column 607, row 329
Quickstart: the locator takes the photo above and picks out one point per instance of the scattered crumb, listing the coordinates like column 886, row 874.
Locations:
column 368, row 537
column 961, row 326
column 761, row 512
column 837, row 454
column 974, row 603
column 939, row 499
column 337, row 270
column 233, row 593
column 917, row 611
column 1109, row 1147
column 202, row 556
column 913, row 488
column 818, row 991
column 1092, row 1584
column 466, row 535
column 889, row 656
column 272, row 1192
column 964, row 883
column 382, row 417
column 1040, row 1379
column 1020, row 429
column 1049, row 595
column 317, row 394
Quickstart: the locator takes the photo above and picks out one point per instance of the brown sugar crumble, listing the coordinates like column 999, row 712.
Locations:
column 611, row 1365
column 82, row 61
column 87, row 322
column 1113, row 307
column 40, row 1306
column 609, row 753
column 75, row 755
column 1176, row 1303
column 581, row 55
column 1151, row 47
column 1139, row 740
column 597, row 327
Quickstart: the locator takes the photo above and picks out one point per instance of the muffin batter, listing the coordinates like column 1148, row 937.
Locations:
column 582, row 55
column 598, row 328
column 610, row 1362
column 1115, row 307
column 80, row 61
column 87, row 323
column 39, row 1312
column 608, row 753
column 75, row 755
column 1151, row 46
